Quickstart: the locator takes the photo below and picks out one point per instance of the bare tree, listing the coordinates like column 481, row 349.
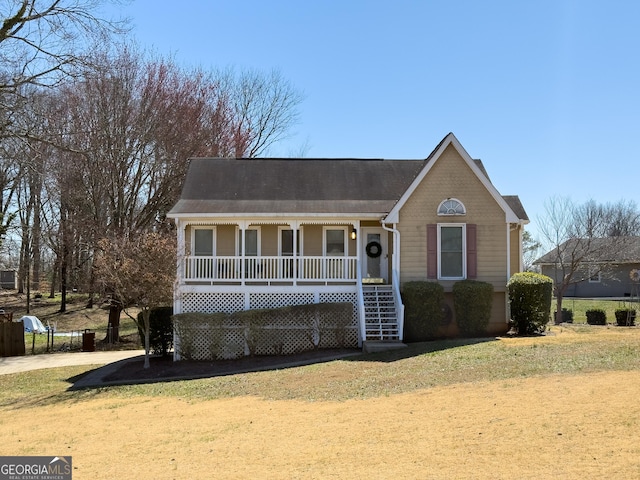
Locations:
column 138, row 270
column 580, row 239
column 41, row 41
column 124, row 132
column 265, row 107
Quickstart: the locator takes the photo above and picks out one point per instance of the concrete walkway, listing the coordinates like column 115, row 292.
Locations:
column 25, row 363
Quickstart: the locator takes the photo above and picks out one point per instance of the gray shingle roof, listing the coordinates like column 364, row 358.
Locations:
column 302, row 186
column 294, row 185
column 514, row 203
column 614, row 250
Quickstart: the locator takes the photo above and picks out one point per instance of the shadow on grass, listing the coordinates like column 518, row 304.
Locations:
column 164, row 369
column 131, row 371
column 417, row 349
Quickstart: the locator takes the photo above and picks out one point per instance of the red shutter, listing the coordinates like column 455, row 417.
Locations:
column 472, row 251
column 432, row 251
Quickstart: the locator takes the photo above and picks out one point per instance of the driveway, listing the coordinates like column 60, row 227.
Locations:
column 34, row 362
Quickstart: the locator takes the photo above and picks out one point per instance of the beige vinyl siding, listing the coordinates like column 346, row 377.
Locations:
column 515, row 251
column 451, row 177
column 269, row 239
column 226, row 240
column 312, row 240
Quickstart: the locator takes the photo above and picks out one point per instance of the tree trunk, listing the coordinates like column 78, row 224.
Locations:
column 146, row 314
column 63, row 286
column 54, row 279
column 36, row 234
column 113, row 327
column 558, row 319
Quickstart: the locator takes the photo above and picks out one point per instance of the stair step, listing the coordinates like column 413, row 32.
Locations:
column 381, row 323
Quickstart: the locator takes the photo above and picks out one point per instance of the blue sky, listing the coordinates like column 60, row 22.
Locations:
column 546, row 93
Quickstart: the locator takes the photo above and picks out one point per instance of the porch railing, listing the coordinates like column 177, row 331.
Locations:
column 269, row 269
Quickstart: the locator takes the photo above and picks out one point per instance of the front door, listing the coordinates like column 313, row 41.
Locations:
column 375, row 255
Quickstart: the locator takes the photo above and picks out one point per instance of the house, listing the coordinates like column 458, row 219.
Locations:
column 8, row 280
column 264, row 233
column 600, row 267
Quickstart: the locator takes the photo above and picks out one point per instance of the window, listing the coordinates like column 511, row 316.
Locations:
column 202, row 242
column 285, row 247
column 334, row 242
column 451, row 206
column 594, row 274
column 451, row 251
column 252, row 242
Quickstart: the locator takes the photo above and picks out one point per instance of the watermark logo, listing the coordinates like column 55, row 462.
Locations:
column 35, row 468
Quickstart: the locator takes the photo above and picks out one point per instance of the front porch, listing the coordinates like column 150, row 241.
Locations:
column 230, row 266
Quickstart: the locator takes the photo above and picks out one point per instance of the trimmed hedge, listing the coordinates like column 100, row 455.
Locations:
column 597, row 316
column 472, row 301
column 423, row 310
column 160, row 330
column 530, row 297
column 567, row 315
column 625, row 317
column 277, row 331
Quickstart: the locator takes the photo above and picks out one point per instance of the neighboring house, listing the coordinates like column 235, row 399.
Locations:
column 264, row 233
column 8, row 279
column 604, row 271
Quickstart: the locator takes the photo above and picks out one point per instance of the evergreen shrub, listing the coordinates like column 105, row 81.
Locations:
column 596, row 316
column 160, row 330
column 567, row 315
column 530, row 297
column 472, row 302
column 625, row 317
column 423, row 313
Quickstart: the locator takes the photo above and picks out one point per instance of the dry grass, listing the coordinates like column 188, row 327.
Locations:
column 558, row 406
column 579, row 307
column 76, row 318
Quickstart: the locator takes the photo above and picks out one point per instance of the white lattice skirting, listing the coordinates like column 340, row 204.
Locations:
column 233, row 333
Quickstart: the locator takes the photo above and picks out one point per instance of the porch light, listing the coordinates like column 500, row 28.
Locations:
column 353, row 234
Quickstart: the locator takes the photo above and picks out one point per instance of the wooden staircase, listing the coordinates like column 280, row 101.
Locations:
column 381, row 321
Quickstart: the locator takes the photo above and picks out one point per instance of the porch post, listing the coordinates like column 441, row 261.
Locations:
column 180, row 270
column 243, row 228
column 356, row 225
column 296, row 255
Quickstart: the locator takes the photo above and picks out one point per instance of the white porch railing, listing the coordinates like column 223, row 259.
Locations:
column 269, row 269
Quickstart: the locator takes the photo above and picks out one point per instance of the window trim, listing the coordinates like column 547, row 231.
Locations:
column 463, row 253
column 447, row 214
column 591, row 275
column 213, row 231
column 258, row 241
column 345, row 240
column 296, row 232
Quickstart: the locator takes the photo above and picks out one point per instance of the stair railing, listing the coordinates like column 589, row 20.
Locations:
column 362, row 320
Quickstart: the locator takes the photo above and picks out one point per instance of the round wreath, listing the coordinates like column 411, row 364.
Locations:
column 634, row 275
column 374, row 249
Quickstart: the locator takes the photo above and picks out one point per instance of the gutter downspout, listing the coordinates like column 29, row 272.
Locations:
column 395, row 275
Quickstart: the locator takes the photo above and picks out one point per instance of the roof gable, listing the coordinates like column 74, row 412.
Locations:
column 476, row 167
column 279, row 186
